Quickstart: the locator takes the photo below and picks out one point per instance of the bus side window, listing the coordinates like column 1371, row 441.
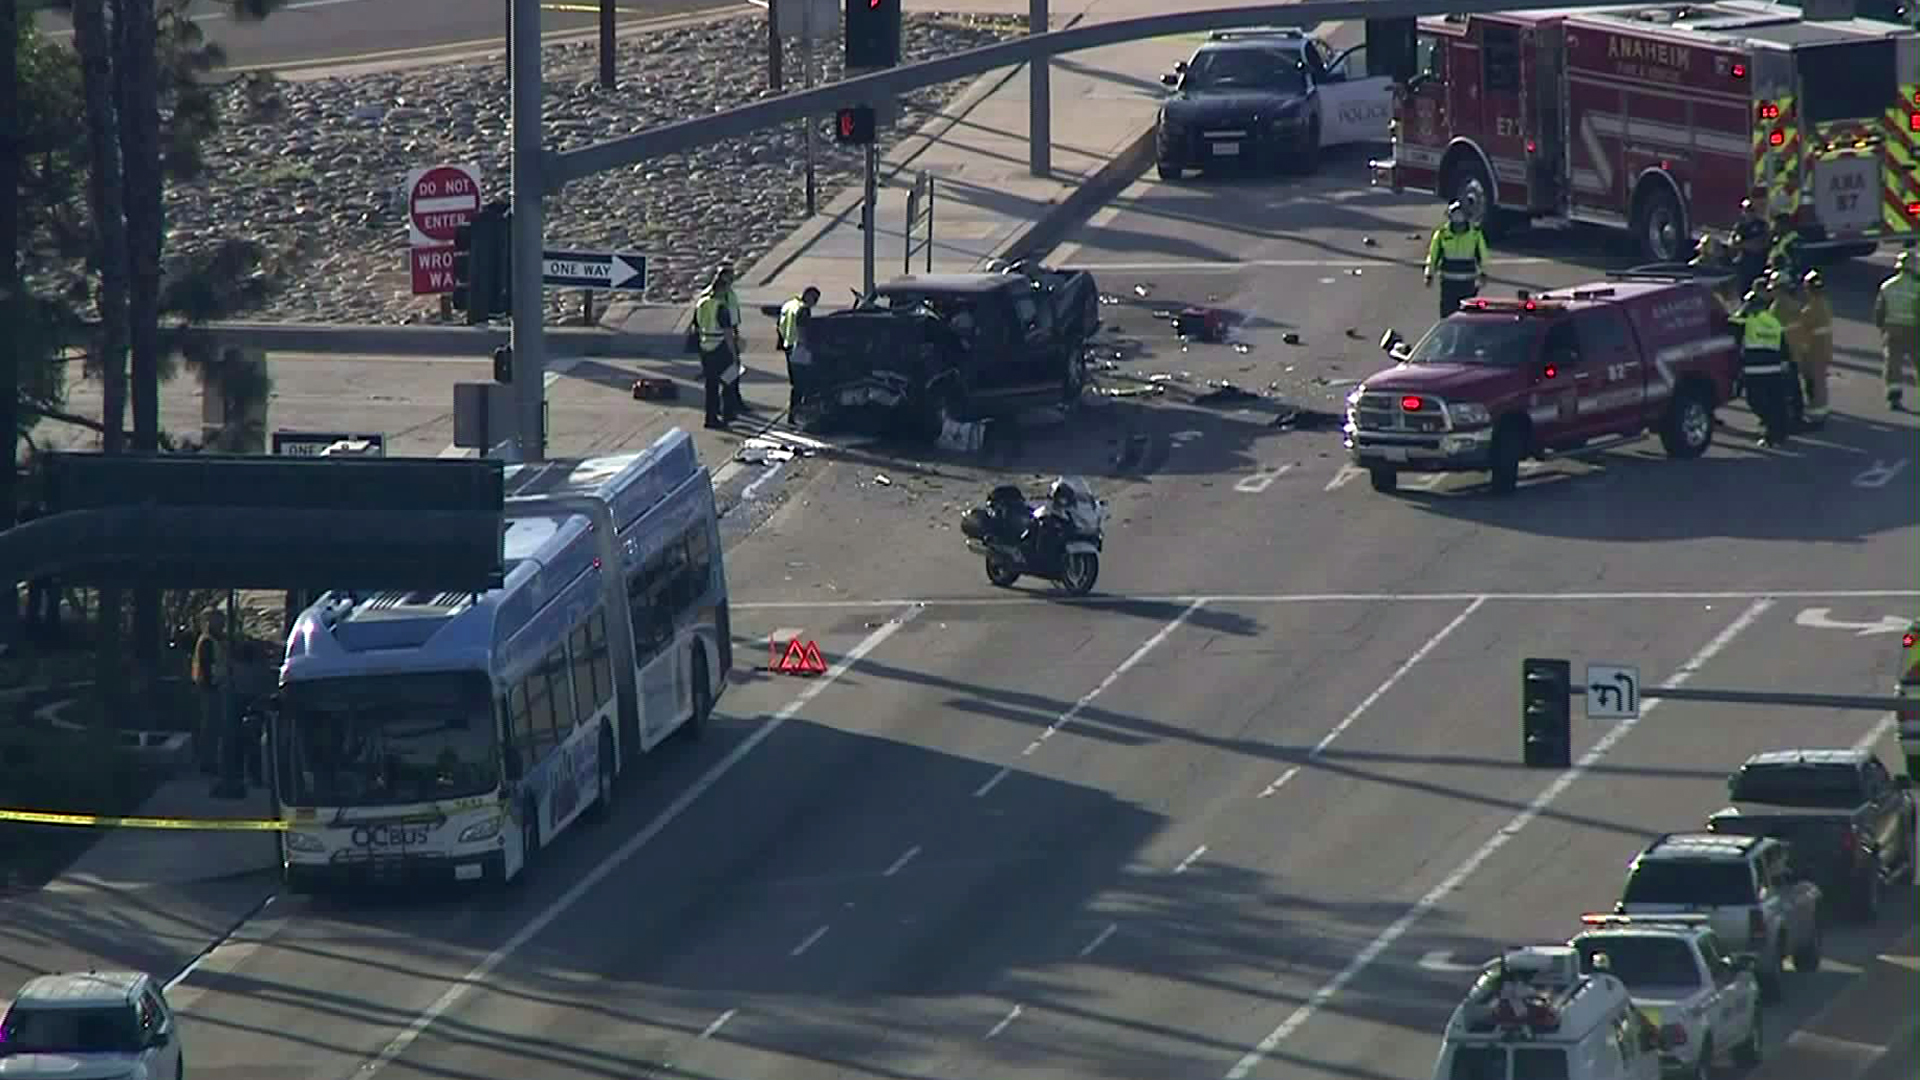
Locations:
column 588, row 698
column 539, row 714
column 560, row 677
column 520, row 726
column 640, row 603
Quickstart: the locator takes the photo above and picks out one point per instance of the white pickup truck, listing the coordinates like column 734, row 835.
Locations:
column 1753, row 898
column 1705, row 1002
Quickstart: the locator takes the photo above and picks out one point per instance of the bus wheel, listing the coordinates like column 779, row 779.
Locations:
column 603, row 802
column 702, row 695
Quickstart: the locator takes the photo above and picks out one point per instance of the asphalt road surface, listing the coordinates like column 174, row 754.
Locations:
column 343, row 31
column 1247, row 815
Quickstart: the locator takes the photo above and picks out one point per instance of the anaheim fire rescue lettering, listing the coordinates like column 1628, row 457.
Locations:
column 1640, row 58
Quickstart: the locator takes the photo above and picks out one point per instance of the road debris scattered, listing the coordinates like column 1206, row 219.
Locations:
column 758, row 451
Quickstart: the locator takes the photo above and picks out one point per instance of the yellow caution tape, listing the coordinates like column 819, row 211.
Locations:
column 41, row 817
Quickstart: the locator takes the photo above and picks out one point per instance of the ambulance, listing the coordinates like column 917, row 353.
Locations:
column 1534, row 1015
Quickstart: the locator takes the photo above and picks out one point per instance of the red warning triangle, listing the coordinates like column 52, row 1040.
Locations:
column 802, row 658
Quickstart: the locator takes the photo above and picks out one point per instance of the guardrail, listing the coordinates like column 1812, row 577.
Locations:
column 446, row 341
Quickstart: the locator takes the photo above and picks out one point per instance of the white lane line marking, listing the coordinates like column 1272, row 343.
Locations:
column 1465, row 870
column 1113, row 676
column 746, row 493
column 1099, row 939
column 1261, row 481
column 243, row 940
column 718, row 1023
column 1340, row 479
column 1012, row 1014
column 901, row 862
column 1344, row 598
column 1248, row 264
column 482, row 971
column 1190, row 859
column 992, row 782
column 1379, row 692
column 1876, row 733
column 812, row 940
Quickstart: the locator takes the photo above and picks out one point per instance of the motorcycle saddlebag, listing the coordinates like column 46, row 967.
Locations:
column 977, row 523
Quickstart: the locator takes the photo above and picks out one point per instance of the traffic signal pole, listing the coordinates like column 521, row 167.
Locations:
column 1867, row 702
column 529, row 306
column 1039, row 97
column 869, row 214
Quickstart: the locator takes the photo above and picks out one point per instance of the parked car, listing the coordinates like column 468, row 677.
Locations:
column 1850, row 823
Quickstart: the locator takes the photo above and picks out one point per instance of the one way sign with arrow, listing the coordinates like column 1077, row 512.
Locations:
column 594, row 270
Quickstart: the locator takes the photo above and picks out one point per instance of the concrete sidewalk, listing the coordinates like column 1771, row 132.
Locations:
column 987, row 204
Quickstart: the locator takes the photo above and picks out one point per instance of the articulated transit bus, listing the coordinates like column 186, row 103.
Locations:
column 450, row 736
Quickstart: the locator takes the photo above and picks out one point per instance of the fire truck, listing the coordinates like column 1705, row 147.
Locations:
column 1662, row 118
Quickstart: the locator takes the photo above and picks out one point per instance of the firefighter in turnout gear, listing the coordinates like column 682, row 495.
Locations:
column 1895, row 312
column 1459, row 255
column 1763, row 365
column 1817, row 317
column 794, row 316
column 1749, row 241
column 1788, row 302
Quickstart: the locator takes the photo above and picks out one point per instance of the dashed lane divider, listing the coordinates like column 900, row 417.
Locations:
column 101, row 821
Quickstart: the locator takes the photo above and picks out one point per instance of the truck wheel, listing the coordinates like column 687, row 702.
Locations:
column 1505, row 474
column 1386, row 479
column 1687, row 430
column 1660, row 226
column 1170, row 171
column 1806, row 960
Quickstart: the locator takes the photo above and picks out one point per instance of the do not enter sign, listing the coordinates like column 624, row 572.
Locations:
column 440, row 200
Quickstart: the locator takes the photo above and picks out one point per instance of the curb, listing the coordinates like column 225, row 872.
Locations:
column 1047, row 231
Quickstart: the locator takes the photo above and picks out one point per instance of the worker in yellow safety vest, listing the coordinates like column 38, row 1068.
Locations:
column 1763, row 365
column 1895, row 311
column 1817, row 317
column 1789, row 305
column 716, row 322
column 1458, row 254
column 794, row 317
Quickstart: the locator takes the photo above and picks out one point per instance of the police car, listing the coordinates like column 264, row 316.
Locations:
column 1533, row 1014
column 1268, row 96
column 91, row 1024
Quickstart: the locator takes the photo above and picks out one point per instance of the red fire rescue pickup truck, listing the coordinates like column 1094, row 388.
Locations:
column 1663, row 117
column 1567, row 371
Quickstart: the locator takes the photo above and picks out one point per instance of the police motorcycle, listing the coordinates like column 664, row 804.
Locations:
column 1058, row 538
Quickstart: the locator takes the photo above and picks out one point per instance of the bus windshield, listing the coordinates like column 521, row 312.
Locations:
column 384, row 740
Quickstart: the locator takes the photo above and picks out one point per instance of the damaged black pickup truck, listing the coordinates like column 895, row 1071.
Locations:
column 927, row 350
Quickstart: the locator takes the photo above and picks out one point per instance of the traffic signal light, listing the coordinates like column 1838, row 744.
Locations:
column 873, row 33
column 503, row 365
column 482, row 263
column 855, row 125
column 1546, row 713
